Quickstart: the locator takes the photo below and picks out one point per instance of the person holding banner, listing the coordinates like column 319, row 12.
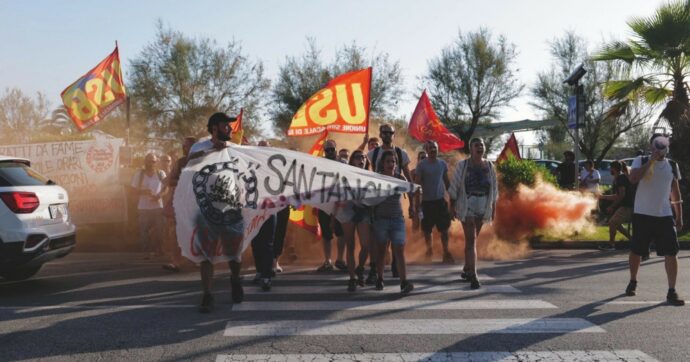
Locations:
column 231, row 234
column 355, row 217
column 330, row 225
column 473, row 194
column 389, row 226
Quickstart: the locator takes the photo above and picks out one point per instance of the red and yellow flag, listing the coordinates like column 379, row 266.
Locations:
column 425, row 126
column 237, row 131
column 511, row 148
column 97, row 93
column 307, row 217
column 341, row 106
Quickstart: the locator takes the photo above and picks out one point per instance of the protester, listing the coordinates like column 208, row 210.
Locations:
column 344, row 155
column 622, row 201
column 657, row 200
column 565, row 172
column 355, row 218
column 387, row 134
column 389, row 226
column 171, row 181
column 432, row 174
column 590, row 178
column 165, row 163
column 416, row 219
column 148, row 185
column 230, row 234
column 330, row 225
column 473, row 194
column 262, row 247
column 282, row 219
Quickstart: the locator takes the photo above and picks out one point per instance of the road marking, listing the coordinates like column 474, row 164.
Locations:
column 409, row 304
column 409, row 326
column 390, row 289
column 565, row 356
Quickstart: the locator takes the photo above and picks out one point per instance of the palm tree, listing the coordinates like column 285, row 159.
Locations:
column 658, row 59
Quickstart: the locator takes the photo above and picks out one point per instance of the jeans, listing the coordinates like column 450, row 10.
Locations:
column 262, row 247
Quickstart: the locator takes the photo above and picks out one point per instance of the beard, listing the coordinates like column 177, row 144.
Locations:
column 223, row 136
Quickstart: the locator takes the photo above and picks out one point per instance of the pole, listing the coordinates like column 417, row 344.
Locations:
column 579, row 116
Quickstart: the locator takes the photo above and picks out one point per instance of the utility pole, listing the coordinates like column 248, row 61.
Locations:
column 576, row 113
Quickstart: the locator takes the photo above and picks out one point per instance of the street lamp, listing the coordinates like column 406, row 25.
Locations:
column 576, row 112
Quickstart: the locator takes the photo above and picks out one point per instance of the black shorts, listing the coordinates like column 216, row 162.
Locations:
column 661, row 230
column 435, row 213
column 325, row 223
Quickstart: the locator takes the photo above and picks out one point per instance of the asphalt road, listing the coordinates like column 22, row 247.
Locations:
column 554, row 305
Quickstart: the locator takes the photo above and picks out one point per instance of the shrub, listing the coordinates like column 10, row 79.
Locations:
column 514, row 172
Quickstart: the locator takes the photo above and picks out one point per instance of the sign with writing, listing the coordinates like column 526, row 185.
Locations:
column 97, row 93
column 88, row 170
column 248, row 184
column 341, row 106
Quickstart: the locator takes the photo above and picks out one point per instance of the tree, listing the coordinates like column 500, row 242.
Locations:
column 657, row 55
column 177, row 82
column 301, row 77
column 21, row 116
column 602, row 128
column 472, row 80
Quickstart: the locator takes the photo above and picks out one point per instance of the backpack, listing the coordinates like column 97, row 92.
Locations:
column 398, row 152
column 674, row 166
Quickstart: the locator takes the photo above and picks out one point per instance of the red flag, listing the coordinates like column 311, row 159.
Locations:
column 90, row 98
column 341, row 106
column 425, row 126
column 237, row 131
column 307, row 217
column 511, row 148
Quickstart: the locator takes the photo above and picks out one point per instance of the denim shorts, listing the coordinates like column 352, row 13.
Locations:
column 389, row 229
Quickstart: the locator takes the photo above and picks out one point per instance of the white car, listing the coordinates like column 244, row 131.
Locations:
column 35, row 226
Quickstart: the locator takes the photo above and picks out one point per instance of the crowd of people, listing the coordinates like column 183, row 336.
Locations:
column 469, row 196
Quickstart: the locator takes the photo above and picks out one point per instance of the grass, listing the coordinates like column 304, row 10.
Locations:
column 601, row 233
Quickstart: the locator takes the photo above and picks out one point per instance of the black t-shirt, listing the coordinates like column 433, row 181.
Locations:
column 566, row 175
column 629, row 198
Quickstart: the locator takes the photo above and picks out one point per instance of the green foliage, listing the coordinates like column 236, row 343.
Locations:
column 472, row 80
column 514, row 172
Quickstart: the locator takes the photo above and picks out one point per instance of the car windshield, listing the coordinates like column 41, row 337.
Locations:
column 19, row 174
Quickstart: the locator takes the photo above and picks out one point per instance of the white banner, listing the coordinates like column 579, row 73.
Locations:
column 88, row 170
column 252, row 183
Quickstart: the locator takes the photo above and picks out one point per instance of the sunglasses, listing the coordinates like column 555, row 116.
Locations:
column 387, row 132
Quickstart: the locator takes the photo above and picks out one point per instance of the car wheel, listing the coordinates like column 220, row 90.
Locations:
column 20, row 273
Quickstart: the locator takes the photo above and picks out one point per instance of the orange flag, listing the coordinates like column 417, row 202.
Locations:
column 425, row 126
column 307, row 217
column 511, row 148
column 237, row 131
column 89, row 99
column 341, row 106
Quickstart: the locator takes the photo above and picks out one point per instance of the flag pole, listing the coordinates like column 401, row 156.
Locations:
column 371, row 77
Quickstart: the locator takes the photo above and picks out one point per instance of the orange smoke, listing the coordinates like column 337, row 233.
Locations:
column 528, row 211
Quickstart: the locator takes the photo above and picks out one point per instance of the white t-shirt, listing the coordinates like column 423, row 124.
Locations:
column 589, row 182
column 653, row 195
column 202, row 145
column 154, row 183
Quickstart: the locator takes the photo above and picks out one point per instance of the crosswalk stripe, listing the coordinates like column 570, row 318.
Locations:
column 565, row 356
column 390, row 289
column 410, row 304
column 408, row 326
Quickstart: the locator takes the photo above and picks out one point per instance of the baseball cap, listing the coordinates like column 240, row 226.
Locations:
column 219, row 117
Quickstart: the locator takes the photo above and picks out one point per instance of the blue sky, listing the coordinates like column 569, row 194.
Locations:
column 49, row 44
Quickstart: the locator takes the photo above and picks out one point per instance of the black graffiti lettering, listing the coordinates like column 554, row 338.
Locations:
column 348, row 191
column 334, row 190
column 322, row 190
column 281, row 181
column 304, row 188
column 291, row 174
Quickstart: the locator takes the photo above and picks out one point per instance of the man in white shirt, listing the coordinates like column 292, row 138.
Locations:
column 149, row 186
column 656, row 201
column 230, row 234
column 590, row 178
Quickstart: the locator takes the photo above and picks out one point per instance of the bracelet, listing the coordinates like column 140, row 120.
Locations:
column 676, row 202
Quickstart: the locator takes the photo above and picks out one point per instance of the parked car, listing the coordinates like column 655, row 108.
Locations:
column 604, row 168
column 550, row 165
column 35, row 226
